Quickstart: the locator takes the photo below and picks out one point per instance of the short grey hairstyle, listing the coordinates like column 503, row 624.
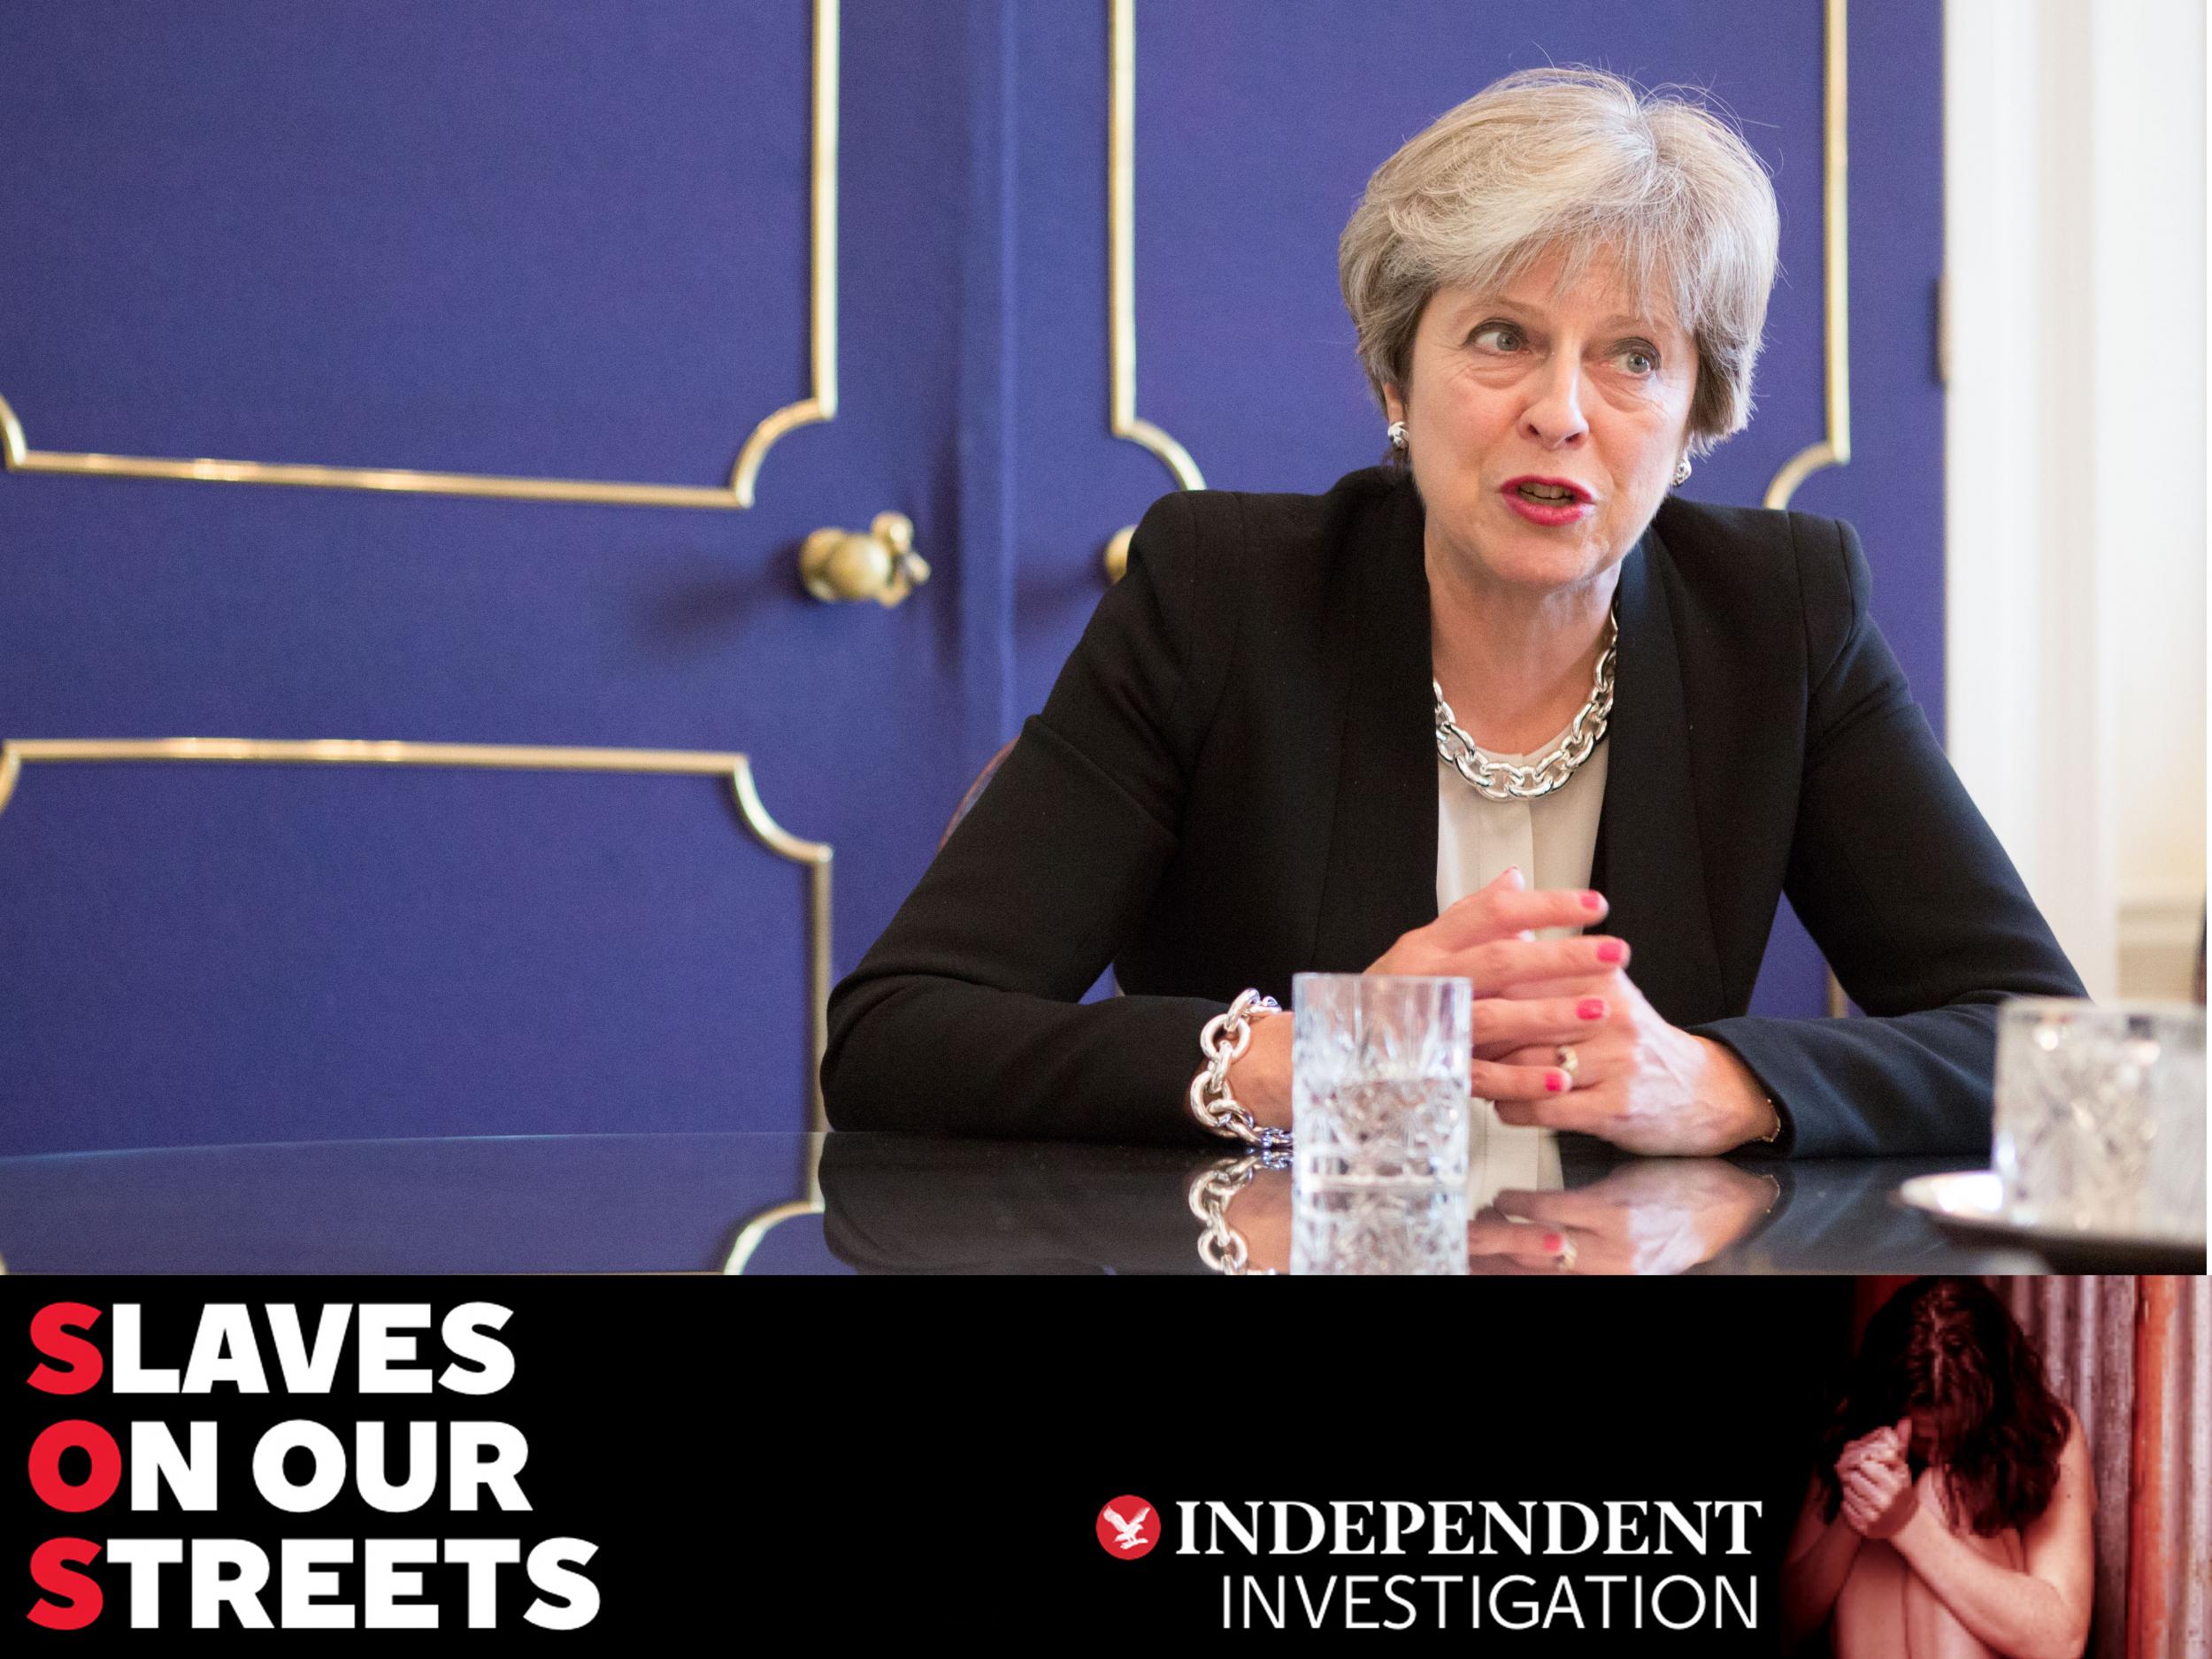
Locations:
column 1582, row 164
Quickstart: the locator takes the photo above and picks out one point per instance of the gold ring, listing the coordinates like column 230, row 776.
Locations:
column 1570, row 1062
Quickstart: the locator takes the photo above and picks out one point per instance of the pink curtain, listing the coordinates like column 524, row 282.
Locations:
column 2133, row 1357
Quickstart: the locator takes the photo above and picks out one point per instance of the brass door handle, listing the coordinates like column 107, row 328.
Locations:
column 878, row 562
column 1116, row 555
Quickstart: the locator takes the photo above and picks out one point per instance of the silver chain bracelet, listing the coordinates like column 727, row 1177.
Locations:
column 1223, row 1042
column 1221, row 1247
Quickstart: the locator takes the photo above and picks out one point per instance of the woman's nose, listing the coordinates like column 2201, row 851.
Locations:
column 1554, row 416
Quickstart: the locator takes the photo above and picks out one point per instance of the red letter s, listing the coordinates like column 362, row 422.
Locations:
column 81, row 1362
column 51, row 1569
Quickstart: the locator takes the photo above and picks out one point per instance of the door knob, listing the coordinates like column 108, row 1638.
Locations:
column 878, row 562
column 1117, row 556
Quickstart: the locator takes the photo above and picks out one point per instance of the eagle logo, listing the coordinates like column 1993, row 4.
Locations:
column 1127, row 1528
column 1132, row 1531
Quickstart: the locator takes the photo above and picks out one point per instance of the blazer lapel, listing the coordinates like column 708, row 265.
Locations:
column 1650, row 859
column 1381, row 872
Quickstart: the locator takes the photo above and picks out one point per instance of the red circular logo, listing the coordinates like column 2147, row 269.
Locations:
column 1127, row 1528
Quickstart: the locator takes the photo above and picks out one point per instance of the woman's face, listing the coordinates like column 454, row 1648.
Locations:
column 1925, row 1426
column 1544, row 427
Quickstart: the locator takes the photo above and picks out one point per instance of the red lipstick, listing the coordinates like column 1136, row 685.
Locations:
column 1547, row 500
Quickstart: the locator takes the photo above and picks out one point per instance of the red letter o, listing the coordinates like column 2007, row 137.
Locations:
column 99, row 1485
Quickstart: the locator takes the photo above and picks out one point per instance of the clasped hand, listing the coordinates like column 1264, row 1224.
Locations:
column 1878, row 1493
column 1638, row 1081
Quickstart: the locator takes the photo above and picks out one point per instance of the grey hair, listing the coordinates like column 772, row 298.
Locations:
column 1581, row 164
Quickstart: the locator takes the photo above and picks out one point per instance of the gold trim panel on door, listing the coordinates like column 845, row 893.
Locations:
column 819, row 405
column 733, row 768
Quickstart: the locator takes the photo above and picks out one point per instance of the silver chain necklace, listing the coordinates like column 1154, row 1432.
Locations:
column 1494, row 779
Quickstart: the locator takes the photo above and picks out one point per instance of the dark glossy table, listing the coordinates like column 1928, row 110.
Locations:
column 895, row 1203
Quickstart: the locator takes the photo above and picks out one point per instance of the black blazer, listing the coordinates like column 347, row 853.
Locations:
column 1235, row 780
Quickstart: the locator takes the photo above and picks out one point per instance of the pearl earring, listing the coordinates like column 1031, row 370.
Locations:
column 1398, row 436
column 1682, row 472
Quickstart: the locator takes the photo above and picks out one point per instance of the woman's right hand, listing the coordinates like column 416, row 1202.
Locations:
column 1879, row 1442
column 1488, row 937
column 1879, row 1495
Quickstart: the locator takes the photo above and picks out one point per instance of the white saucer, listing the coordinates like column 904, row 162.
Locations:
column 1972, row 1202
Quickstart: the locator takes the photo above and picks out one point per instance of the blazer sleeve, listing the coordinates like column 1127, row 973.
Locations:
column 963, row 1017
column 1903, row 886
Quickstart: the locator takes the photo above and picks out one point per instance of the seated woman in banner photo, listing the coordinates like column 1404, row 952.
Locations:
column 1953, row 1514
column 1504, row 689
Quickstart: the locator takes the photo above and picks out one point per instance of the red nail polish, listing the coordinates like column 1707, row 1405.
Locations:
column 1554, row 1243
column 1612, row 950
column 1555, row 1081
column 1590, row 1008
column 1594, row 901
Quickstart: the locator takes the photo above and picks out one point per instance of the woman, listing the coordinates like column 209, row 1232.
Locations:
column 1439, row 719
column 1952, row 1514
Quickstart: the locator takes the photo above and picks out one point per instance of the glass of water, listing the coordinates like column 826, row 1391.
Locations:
column 1343, row 1230
column 2099, row 1115
column 1379, row 1079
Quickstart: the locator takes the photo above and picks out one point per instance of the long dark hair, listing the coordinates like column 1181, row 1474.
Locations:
column 1948, row 1346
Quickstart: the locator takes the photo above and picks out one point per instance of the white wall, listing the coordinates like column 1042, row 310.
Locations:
column 2076, row 465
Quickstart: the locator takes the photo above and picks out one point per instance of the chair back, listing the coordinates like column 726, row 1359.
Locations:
column 975, row 789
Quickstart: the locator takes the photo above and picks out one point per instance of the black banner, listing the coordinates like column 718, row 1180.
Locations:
column 1566, row 1466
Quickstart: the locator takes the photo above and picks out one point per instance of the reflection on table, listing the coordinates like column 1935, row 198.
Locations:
column 902, row 1205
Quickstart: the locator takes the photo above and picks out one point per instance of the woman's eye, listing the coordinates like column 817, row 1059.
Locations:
column 1498, row 337
column 1638, row 361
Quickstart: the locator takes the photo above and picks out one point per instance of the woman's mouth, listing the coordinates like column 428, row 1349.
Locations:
column 1547, row 500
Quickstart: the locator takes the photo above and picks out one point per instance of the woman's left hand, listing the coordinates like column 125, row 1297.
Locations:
column 1663, row 1216
column 1878, row 1493
column 1642, row 1084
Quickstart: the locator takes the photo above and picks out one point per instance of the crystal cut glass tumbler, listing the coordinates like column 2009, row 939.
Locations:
column 1379, row 1078
column 2099, row 1115
column 1339, row 1229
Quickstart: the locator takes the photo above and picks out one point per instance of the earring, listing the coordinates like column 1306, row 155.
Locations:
column 1682, row 472
column 1398, row 436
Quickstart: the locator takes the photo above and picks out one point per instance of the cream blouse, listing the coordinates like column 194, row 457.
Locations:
column 1553, row 839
